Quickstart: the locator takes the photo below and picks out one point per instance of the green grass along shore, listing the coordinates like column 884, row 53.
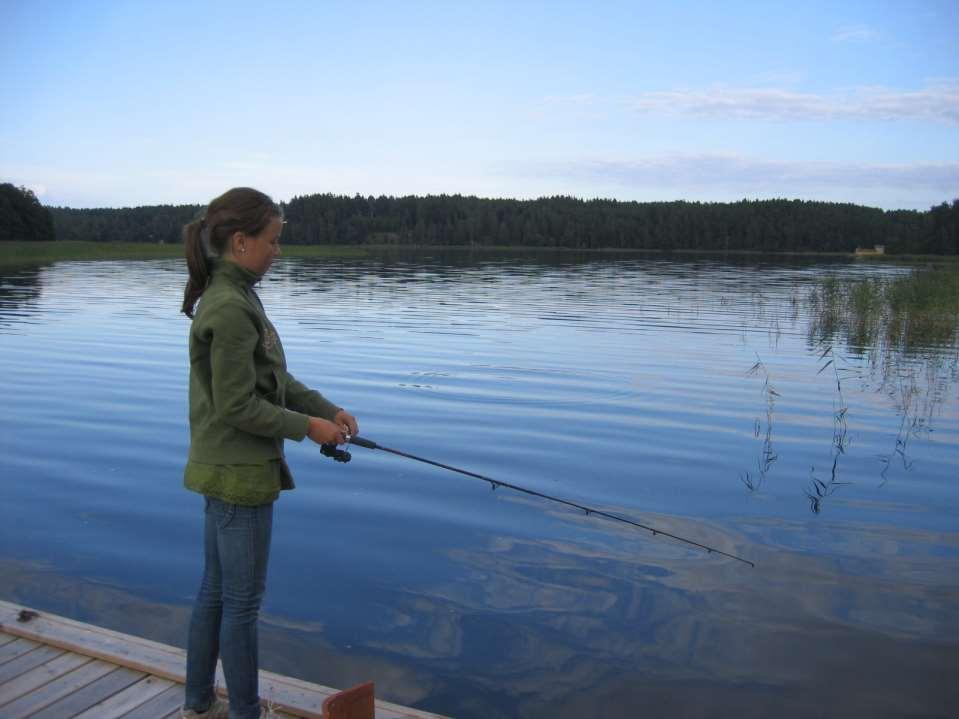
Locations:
column 37, row 253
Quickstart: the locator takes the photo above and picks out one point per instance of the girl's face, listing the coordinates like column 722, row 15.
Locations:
column 257, row 252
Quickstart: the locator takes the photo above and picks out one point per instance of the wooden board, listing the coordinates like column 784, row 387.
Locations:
column 123, row 702
column 163, row 704
column 123, row 649
column 57, row 689
column 14, row 649
column 93, row 693
column 37, row 677
column 28, row 661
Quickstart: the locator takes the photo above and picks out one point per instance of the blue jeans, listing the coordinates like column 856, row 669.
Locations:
column 236, row 546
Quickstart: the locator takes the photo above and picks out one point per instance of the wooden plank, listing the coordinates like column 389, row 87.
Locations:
column 164, row 703
column 52, row 691
column 13, row 650
column 47, row 672
column 28, row 661
column 93, row 693
column 123, row 649
column 6, row 638
column 130, row 698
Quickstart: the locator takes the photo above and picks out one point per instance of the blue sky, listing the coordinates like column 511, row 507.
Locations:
column 132, row 103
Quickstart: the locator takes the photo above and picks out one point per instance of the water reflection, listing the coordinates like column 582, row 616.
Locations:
column 20, row 288
column 534, row 628
column 591, row 619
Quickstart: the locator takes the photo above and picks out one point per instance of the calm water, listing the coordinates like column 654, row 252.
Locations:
column 622, row 383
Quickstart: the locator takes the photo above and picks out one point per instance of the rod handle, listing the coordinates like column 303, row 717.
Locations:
column 363, row 442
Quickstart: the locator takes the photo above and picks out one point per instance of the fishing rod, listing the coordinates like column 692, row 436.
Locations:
column 341, row 455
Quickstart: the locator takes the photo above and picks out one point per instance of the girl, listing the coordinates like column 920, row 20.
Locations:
column 243, row 404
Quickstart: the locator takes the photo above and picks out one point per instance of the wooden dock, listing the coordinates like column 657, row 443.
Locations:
column 52, row 667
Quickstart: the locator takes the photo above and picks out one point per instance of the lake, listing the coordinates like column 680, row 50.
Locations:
column 700, row 395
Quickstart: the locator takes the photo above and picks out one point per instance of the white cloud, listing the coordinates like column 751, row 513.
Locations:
column 935, row 102
column 938, row 103
column 855, row 33
column 772, row 177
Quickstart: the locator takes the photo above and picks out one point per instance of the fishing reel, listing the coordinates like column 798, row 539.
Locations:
column 334, row 453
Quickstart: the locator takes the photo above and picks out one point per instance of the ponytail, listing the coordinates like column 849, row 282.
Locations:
column 197, row 263
column 241, row 209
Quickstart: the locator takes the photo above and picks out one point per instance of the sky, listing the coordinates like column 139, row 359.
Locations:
column 126, row 103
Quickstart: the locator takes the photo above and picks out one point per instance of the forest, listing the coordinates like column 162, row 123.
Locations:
column 775, row 225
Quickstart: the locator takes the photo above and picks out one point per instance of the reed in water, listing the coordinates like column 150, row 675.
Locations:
column 903, row 313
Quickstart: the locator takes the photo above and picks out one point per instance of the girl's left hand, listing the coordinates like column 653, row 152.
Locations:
column 347, row 421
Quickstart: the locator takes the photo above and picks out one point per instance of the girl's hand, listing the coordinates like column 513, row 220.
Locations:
column 347, row 421
column 323, row 431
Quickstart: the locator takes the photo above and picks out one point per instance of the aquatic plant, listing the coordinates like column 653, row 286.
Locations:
column 905, row 331
column 905, row 313
column 818, row 490
column 767, row 455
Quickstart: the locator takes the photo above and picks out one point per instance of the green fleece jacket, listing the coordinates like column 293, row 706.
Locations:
column 243, row 401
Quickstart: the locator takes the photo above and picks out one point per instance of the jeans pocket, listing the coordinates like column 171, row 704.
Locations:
column 227, row 516
column 221, row 512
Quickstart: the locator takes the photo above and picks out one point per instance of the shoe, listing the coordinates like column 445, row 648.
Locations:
column 219, row 709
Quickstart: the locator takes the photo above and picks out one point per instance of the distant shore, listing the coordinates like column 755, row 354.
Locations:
column 33, row 253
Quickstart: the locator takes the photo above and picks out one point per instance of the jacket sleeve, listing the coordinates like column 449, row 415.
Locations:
column 301, row 398
column 232, row 343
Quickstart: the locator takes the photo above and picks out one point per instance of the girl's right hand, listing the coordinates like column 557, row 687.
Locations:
column 323, row 431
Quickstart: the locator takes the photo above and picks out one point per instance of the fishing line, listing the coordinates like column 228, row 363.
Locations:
column 341, row 455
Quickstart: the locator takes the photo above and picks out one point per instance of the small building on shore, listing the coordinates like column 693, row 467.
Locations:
column 876, row 250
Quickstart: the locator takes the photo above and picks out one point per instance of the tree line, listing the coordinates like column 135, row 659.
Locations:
column 776, row 225
column 565, row 222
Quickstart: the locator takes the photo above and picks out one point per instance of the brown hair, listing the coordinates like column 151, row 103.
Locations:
column 241, row 209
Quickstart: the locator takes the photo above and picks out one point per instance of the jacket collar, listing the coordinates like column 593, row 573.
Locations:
column 237, row 274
